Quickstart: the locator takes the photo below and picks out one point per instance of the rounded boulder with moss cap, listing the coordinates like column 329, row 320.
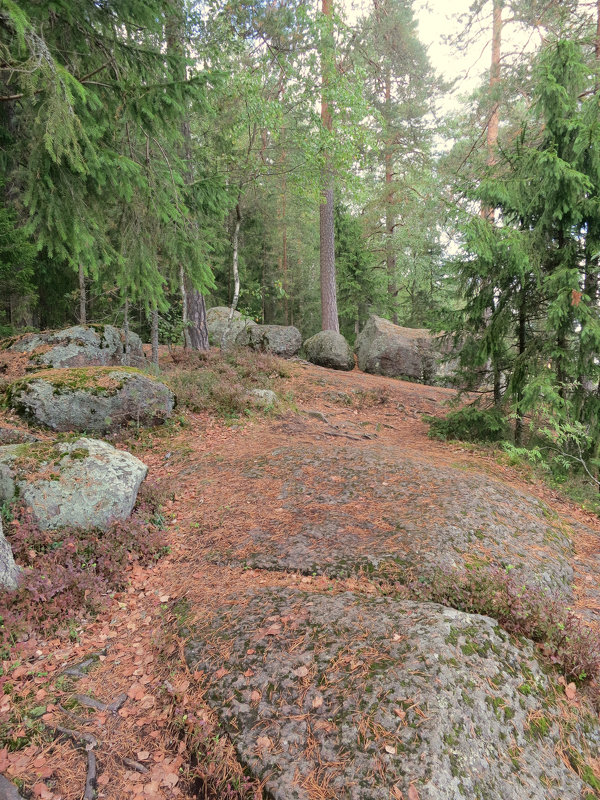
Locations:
column 99, row 399
column 329, row 349
column 82, row 483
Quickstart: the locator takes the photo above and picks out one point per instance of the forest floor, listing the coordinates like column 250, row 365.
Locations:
column 307, row 498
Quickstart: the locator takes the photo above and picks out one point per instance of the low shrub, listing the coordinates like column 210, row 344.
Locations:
column 219, row 382
column 469, row 424
column 67, row 574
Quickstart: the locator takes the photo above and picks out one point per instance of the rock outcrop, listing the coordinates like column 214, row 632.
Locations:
column 382, row 698
column 83, row 483
column 217, row 322
column 99, row 399
column 329, row 349
column 9, row 572
column 81, row 346
column 282, row 340
column 387, row 349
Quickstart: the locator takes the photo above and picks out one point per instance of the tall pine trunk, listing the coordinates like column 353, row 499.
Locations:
column 329, row 312
column 82, row 296
column 154, row 337
column 390, row 217
column 197, row 328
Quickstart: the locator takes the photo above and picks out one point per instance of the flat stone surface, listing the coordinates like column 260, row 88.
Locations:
column 366, row 698
column 362, row 507
column 9, row 572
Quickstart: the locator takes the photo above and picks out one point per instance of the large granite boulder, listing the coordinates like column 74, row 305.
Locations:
column 217, row 319
column 329, row 349
column 9, row 572
column 91, row 399
column 81, row 346
column 380, row 698
column 83, row 483
column 387, row 349
column 282, row 340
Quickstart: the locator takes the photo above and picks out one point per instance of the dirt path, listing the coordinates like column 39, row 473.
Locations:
column 315, row 499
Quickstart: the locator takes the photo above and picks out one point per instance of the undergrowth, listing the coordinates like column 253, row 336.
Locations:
column 67, row 574
column 469, row 424
column 220, row 382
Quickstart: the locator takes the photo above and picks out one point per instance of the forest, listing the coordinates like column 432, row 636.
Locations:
column 298, row 162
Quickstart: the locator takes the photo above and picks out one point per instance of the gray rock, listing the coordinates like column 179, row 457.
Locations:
column 217, row 322
column 83, row 483
column 9, row 572
column 329, row 349
column 91, row 399
column 15, row 436
column 358, row 509
column 81, row 346
column 387, row 349
column 263, row 398
column 373, row 696
column 8, row 791
column 282, row 340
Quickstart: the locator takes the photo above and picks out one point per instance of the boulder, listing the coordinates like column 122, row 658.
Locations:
column 217, row 319
column 263, row 398
column 9, row 572
column 386, row 698
column 387, row 349
column 282, row 340
column 81, row 346
column 83, row 483
column 329, row 349
column 15, row 436
column 8, row 791
column 91, row 399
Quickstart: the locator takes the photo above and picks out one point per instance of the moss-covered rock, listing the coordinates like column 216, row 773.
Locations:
column 282, row 340
column 91, row 399
column 80, row 346
column 377, row 696
column 383, row 348
column 82, row 483
column 217, row 320
column 329, row 349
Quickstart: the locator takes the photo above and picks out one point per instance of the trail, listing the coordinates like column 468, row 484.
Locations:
column 314, row 499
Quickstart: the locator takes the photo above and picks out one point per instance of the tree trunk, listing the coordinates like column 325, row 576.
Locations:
column 184, row 309
column 519, row 410
column 126, row 332
column 154, row 337
column 198, row 330
column 390, row 219
column 82, row 297
column 236, row 271
column 329, row 313
column 494, row 118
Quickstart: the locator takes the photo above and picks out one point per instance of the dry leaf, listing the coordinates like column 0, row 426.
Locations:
column 220, row 673
column 249, row 673
column 317, row 702
column 412, row 793
column 273, row 630
column 399, row 712
column 136, row 691
column 570, row 691
column 264, row 743
column 301, row 672
column 391, row 750
column 255, row 696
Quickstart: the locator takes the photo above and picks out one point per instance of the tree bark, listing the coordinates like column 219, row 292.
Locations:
column 494, row 120
column 236, row 271
column 198, row 329
column 184, row 309
column 126, row 332
column 154, row 337
column 329, row 312
column 82, row 297
column 390, row 219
